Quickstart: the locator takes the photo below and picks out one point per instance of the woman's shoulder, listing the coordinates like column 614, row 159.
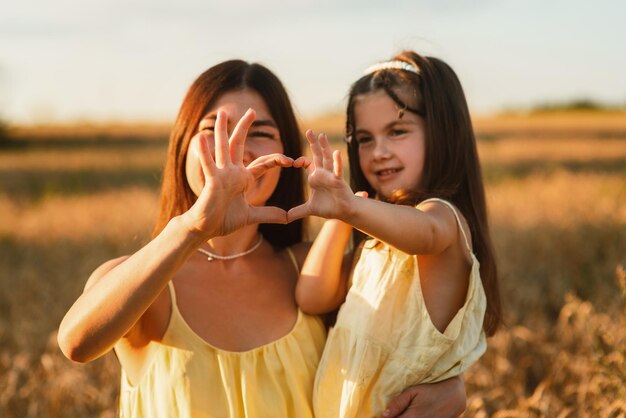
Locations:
column 103, row 269
column 154, row 321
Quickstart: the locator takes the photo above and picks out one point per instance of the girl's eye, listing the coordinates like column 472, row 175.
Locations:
column 207, row 128
column 398, row 132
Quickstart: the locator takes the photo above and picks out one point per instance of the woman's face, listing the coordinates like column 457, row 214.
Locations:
column 263, row 138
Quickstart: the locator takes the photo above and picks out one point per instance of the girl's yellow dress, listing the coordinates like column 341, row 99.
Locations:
column 384, row 341
column 188, row 377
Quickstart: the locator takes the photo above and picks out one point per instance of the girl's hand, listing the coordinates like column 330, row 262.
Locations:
column 221, row 207
column 331, row 197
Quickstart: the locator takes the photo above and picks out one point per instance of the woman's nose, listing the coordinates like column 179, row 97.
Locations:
column 248, row 155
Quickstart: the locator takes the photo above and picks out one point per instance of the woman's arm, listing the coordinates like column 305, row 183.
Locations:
column 445, row 399
column 120, row 291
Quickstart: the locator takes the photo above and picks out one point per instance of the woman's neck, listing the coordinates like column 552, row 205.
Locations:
column 236, row 242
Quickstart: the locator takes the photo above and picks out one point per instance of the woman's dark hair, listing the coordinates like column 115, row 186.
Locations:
column 176, row 195
column 451, row 165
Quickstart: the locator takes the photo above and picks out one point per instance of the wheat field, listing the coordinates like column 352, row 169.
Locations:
column 73, row 197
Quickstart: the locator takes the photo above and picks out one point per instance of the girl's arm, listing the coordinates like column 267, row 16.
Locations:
column 120, row 291
column 432, row 225
column 321, row 287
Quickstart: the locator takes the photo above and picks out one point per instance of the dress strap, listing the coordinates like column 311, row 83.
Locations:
column 292, row 257
column 170, row 286
column 456, row 215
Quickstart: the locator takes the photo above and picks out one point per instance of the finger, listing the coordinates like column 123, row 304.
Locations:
column 362, row 194
column 338, row 165
column 267, row 215
column 306, row 163
column 302, row 162
column 397, row 405
column 259, row 166
column 298, row 212
column 222, row 155
column 327, row 152
column 316, row 150
column 204, row 155
column 238, row 138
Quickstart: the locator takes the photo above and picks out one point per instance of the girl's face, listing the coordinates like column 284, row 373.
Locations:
column 391, row 149
column 263, row 138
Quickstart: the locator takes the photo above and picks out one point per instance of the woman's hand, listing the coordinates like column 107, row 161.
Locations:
column 331, row 197
column 221, row 207
column 445, row 399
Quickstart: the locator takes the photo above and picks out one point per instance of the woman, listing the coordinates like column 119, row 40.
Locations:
column 203, row 318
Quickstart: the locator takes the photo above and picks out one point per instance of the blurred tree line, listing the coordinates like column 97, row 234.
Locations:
column 4, row 128
column 4, row 132
column 580, row 104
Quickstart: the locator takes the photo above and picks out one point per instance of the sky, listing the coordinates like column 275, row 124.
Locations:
column 64, row 61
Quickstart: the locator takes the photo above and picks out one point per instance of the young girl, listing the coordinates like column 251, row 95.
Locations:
column 423, row 293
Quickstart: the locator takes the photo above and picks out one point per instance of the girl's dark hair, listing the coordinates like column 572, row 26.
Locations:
column 451, row 166
column 176, row 195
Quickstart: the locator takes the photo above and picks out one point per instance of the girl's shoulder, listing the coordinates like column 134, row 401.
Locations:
column 450, row 214
column 442, row 206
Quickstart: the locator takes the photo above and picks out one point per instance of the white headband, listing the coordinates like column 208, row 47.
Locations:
column 399, row 65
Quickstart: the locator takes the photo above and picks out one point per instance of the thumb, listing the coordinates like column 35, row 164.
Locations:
column 298, row 212
column 302, row 162
column 267, row 215
column 397, row 405
column 362, row 194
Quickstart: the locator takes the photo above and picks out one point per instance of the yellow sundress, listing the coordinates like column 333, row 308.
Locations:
column 384, row 340
column 190, row 378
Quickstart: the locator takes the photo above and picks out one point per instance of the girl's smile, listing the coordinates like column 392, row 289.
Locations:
column 387, row 174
